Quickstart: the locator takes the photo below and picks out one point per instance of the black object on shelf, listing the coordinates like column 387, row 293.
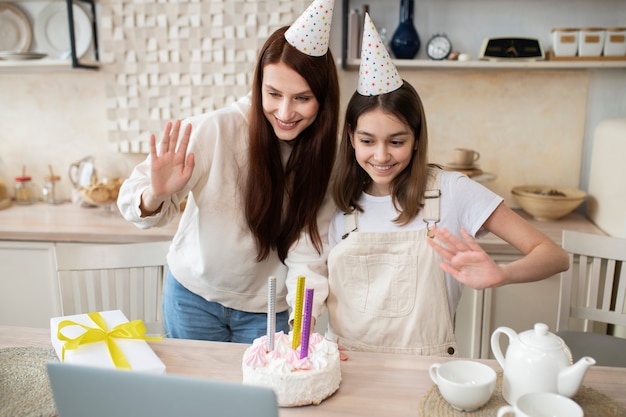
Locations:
column 345, row 9
column 70, row 15
column 405, row 43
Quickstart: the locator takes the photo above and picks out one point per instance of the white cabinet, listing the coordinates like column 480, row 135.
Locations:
column 28, row 290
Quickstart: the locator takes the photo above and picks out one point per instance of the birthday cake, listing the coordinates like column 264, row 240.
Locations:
column 296, row 381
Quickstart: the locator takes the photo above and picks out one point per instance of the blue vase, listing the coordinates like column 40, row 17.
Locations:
column 405, row 42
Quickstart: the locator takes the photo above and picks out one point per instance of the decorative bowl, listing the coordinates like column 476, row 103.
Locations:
column 544, row 202
column 102, row 193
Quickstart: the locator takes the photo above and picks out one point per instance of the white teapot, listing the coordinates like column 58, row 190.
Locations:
column 537, row 361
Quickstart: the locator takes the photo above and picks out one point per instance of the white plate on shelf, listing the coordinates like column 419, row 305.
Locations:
column 53, row 34
column 15, row 31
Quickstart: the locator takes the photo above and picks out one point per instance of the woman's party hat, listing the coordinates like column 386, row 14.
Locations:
column 311, row 32
column 377, row 74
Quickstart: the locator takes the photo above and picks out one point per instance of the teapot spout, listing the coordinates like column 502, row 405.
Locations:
column 570, row 378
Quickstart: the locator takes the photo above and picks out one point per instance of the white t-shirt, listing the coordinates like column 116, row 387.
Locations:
column 464, row 203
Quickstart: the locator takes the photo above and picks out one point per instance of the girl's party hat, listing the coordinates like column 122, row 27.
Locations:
column 377, row 74
column 310, row 33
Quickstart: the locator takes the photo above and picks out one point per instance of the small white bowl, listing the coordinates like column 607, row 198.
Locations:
column 466, row 385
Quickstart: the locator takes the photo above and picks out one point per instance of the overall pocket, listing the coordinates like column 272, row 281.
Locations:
column 381, row 285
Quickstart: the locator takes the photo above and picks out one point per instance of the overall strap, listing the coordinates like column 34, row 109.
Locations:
column 432, row 196
column 350, row 221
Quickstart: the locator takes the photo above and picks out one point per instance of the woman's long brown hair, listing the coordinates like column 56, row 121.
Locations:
column 407, row 189
column 281, row 202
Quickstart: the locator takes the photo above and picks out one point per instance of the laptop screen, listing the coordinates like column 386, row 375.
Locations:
column 81, row 391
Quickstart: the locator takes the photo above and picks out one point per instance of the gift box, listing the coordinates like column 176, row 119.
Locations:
column 104, row 339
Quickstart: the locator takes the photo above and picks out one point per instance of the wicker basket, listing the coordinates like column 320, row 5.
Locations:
column 546, row 202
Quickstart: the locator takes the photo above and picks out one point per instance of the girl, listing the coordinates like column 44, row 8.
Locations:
column 393, row 288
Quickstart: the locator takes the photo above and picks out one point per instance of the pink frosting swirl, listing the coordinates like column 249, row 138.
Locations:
column 256, row 357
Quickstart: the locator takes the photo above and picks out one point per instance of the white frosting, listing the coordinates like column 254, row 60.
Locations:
column 295, row 381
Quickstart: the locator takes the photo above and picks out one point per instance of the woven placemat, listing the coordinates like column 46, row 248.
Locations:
column 593, row 403
column 24, row 387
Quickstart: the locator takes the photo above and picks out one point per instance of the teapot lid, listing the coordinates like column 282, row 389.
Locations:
column 541, row 338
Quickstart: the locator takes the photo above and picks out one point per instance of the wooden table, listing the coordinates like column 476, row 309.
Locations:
column 373, row 384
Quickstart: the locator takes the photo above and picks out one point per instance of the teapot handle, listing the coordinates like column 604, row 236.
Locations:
column 495, row 342
column 72, row 174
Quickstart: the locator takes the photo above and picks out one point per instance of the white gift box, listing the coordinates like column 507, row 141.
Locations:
column 136, row 351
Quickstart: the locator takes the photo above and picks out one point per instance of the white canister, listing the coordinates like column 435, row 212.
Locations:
column 565, row 41
column 615, row 42
column 591, row 41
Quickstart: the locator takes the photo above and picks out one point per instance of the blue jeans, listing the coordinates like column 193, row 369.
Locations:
column 188, row 316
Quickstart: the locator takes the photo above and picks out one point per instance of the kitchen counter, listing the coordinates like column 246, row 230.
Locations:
column 70, row 223
column 553, row 229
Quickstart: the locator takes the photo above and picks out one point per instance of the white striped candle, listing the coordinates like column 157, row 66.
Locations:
column 271, row 312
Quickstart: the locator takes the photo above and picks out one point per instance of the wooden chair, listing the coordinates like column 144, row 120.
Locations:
column 100, row 277
column 592, row 298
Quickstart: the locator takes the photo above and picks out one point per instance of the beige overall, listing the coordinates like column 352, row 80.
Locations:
column 387, row 292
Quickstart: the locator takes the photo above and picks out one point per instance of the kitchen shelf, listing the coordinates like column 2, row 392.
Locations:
column 488, row 65
column 44, row 64
column 425, row 64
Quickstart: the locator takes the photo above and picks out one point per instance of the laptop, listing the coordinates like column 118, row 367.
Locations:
column 85, row 391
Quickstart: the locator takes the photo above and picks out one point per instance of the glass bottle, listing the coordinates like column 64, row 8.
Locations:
column 24, row 190
column 405, row 42
column 49, row 189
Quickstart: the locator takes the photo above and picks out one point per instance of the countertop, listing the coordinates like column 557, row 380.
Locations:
column 70, row 223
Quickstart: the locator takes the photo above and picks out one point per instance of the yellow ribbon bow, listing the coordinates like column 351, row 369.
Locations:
column 131, row 330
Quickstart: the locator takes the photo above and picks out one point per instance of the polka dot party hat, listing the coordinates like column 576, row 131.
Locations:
column 377, row 74
column 310, row 33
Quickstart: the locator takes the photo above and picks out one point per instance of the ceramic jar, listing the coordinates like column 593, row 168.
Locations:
column 615, row 42
column 405, row 42
column 591, row 41
column 565, row 41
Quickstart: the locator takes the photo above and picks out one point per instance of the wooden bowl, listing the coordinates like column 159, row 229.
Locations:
column 545, row 202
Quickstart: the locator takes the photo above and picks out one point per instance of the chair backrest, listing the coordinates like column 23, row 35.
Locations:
column 593, row 289
column 100, row 277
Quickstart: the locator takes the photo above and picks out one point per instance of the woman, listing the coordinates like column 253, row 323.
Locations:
column 393, row 288
column 256, row 175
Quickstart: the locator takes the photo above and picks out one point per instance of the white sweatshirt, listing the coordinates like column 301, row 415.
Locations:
column 213, row 253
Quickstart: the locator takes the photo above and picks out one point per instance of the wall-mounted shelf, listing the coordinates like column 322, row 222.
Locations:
column 461, row 32
column 45, row 64
column 486, row 65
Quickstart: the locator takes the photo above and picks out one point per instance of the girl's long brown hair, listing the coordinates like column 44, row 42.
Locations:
column 281, row 202
column 407, row 189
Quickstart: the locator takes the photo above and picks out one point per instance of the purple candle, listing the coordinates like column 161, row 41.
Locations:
column 306, row 323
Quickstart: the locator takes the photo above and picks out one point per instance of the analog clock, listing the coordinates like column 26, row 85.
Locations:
column 439, row 47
